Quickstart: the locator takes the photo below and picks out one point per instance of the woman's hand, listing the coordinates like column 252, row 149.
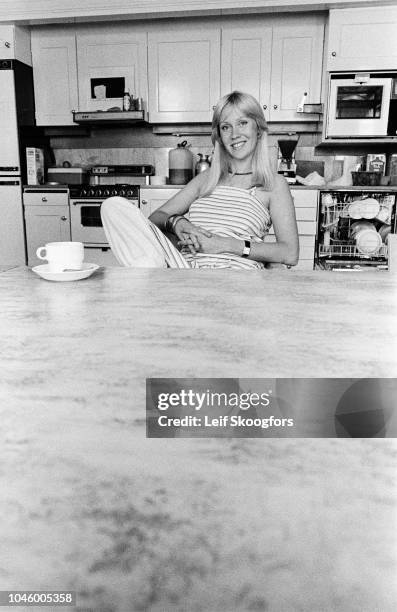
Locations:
column 190, row 235
column 211, row 243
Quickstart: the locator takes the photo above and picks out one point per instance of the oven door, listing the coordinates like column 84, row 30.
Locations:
column 358, row 109
column 85, row 222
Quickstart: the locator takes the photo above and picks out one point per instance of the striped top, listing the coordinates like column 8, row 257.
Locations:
column 233, row 212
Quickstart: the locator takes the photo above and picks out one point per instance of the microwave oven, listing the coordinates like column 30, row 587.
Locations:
column 360, row 105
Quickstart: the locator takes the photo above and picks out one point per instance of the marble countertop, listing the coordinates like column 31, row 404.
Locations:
column 164, row 525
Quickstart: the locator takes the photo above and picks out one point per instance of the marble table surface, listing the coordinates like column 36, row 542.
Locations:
column 134, row 524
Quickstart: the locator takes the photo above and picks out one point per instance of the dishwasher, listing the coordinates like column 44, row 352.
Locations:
column 354, row 225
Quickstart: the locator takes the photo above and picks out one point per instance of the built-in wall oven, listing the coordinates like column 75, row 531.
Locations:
column 353, row 228
column 361, row 105
column 85, row 217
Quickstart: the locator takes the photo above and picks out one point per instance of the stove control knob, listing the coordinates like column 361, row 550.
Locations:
column 92, row 192
column 130, row 192
column 84, row 192
column 114, row 192
column 106, row 192
column 122, row 192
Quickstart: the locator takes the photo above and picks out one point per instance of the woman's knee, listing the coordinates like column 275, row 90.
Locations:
column 117, row 204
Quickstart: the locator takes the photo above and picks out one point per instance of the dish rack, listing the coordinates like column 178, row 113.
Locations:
column 339, row 210
column 349, row 250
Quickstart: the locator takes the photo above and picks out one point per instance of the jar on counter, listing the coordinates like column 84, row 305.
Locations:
column 180, row 164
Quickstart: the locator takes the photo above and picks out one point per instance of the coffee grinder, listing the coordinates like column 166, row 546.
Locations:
column 286, row 156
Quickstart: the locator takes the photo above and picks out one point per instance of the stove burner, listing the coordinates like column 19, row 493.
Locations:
column 104, row 191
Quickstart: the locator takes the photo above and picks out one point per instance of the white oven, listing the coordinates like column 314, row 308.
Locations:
column 358, row 105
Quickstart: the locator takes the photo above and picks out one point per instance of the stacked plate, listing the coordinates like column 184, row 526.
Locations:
column 364, row 209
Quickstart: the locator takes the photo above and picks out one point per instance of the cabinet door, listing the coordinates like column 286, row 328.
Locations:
column 246, row 62
column 111, row 60
column 306, row 204
column 296, row 68
column 363, row 39
column 7, row 48
column 45, row 224
column 55, row 75
column 184, row 74
column 15, row 43
column 151, row 199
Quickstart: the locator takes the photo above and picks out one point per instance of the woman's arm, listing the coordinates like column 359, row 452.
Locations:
column 179, row 204
column 282, row 212
column 285, row 250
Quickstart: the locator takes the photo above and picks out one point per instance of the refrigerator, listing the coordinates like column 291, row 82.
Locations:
column 16, row 114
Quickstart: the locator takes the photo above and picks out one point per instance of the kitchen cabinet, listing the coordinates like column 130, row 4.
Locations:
column 277, row 63
column 45, row 222
column 306, row 204
column 183, row 73
column 297, row 59
column 246, row 62
column 15, row 43
column 54, row 75
column 111, row 55
column 362, row 39
column 66, row 60
column 151, row 199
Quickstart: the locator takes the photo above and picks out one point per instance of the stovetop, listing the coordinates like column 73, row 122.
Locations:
column 104, row 191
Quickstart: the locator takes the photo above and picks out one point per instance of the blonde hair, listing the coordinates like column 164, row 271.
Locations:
column 250, row 107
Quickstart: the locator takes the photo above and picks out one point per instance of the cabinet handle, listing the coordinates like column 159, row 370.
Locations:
column 44, row 199
column 275, row 106
column 64, row 218
column 333, row 53
column 264, row 106
column 7, row 44
column 143, row 202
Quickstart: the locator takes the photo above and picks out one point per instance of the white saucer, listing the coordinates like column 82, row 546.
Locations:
column 68, row 275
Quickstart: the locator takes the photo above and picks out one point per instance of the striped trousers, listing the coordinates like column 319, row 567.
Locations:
column 135, row 241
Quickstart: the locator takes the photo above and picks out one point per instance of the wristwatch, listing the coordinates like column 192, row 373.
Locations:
column 246, row 249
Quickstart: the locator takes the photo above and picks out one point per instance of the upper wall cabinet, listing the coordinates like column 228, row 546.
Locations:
column 55, row 75
column 15, row 43
column 297, row 60
column 184, row 73
column 363, row 39
column 86, row 69
column 247, row 62
column 276, row 63
column 111, row 60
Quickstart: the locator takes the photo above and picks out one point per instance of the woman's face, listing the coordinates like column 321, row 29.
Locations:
column 239, row 134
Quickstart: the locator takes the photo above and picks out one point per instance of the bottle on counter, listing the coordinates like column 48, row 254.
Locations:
column 126, row 101
column 202, row 164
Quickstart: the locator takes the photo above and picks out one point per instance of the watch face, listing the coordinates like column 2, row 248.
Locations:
column 246, row 249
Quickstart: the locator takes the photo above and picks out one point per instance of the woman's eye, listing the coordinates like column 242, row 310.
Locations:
column 243, row 122
column 225, row 128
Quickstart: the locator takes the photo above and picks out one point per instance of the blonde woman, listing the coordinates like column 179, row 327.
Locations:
column 221, row 217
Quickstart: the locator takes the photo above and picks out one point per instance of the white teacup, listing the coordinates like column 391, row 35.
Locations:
column 62, row 255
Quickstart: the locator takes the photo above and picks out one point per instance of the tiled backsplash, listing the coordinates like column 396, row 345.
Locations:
column 144, row 147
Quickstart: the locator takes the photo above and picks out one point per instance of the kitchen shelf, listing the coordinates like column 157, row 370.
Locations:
column 354, row 142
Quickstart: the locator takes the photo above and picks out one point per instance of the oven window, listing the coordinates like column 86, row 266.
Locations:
column 363, row 102
column 90, row 216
